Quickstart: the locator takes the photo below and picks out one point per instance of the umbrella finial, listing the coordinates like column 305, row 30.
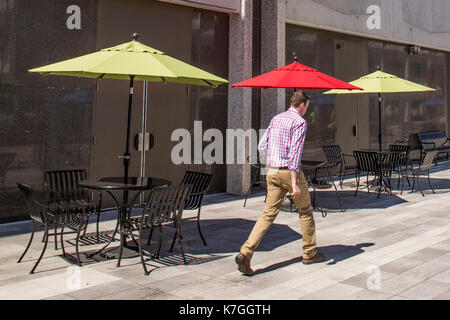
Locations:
column 135, row 36
column 378, row 68
column 295, row 56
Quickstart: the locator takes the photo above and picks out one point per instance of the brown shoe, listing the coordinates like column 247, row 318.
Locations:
column 319, row 257
column 243, row 264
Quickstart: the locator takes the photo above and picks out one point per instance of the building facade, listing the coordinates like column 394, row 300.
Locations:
column 51, row 123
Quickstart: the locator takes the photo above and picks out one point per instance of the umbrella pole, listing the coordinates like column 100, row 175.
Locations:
column 144, row 129
column 379, row 121
column 126, row 156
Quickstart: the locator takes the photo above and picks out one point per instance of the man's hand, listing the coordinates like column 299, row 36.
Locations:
column 295, row 191
column 295, row 188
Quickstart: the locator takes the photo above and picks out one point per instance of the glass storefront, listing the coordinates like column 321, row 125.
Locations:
column 402, row 113
column 210, row 52
column 45, row 122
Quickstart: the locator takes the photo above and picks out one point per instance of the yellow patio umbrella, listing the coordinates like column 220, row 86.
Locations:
column 131, row 61
column 382, row 82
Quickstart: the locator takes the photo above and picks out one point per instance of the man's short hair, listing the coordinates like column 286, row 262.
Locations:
column 299, row 97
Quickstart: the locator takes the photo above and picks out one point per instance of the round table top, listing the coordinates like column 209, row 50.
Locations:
column 118, row 183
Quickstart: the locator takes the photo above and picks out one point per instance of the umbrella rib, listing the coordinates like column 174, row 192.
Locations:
column 209, row 83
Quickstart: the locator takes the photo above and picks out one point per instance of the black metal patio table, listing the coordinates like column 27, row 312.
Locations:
column 387, row 160
column 109, row 184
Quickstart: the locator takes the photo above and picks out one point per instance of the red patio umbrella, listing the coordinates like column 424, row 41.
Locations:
column 295, row 75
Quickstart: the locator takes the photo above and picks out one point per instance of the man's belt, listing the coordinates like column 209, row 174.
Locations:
column 278, row 168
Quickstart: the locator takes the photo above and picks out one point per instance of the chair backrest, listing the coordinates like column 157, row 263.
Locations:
column 325, row 173
column 399, row 148
column 200, row 183
column 393, row 160
column 165, row 205
column 428, row 160
column 63, row 185
column 366, row 161
column 33, row 207
column 333, row 153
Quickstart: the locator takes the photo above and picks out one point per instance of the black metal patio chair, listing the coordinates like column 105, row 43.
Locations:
column 347, row 164
column 62, row 188
column 403, row 161
column 200, row 184
column 53, row 215
column 370, row 163
column 422, row 166
column 323, row 178
column 164, row 207
column 258, row 173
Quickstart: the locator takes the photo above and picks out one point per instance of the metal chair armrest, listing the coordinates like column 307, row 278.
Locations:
column 348, row 155
column 433, row 143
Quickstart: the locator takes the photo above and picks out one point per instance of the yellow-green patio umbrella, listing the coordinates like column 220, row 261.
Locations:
column 131, row 61
column 382, row 82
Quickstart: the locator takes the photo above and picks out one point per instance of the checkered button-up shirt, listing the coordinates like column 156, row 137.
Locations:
column 284, row 139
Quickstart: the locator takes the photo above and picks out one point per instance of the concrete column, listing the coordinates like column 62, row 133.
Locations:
column 273, row 47
column 240, row 99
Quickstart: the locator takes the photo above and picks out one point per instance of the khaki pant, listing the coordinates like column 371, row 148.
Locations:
column 279, row 182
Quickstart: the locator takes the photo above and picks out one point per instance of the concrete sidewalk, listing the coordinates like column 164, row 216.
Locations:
column 395, row 247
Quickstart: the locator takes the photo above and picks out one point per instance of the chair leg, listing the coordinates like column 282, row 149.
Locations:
column 174, row 238
column 122, row 240
column 367, row 181
column 150, row 236
column 62, row 241
column 246, row 196
column 357, row 182
column 97, row 227
column 99, row 209
column 77, row 242
column 339, row 197
column 85, row 229
column 43, row 249
column 407, row 178
column 429, row 182
column 198, row 227
column 179, row 242
column 29, row 242
column 141, row 253
column 401, row 177
column 56, row 237
column 160, row 241
column 418, row 184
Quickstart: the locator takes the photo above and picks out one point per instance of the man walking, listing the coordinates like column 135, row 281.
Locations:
column 283, row 143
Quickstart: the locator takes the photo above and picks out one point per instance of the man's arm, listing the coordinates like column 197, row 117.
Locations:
column 262, row 145
column 296, row 149
column 295, row 155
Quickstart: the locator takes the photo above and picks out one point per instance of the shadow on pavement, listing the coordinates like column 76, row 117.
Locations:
column 333, row 254
column 224, row 236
